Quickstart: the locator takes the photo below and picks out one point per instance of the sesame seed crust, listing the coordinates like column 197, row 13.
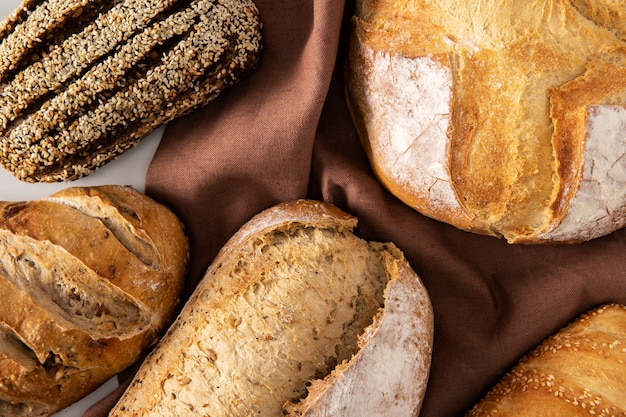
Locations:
column 578, row 371
column 102, row 89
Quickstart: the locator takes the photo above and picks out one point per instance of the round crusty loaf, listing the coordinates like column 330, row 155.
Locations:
column 89, row 279
column 578, row 371
column 504, row 118
column 295, row 316
column 83, row 81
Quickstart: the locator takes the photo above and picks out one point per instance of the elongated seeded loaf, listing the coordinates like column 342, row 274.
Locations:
column 504, row 118
column 89, row 279
column 83, row 81
column 579, row 371
column 295, row 316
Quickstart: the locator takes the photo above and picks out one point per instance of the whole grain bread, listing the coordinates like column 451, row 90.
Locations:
column 295, row 316
column 82, row 82
column 504, row 118
column 89, row 279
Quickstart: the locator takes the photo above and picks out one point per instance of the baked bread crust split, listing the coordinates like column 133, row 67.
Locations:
column 89, row 278
column 578, row 371
column 501, row 118
column 295, row 316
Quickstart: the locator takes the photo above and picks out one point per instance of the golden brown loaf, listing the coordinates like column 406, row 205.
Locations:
column 83, row 81
column 293, row 295
column 89, row 279
column 579, row 371
column 504, row 118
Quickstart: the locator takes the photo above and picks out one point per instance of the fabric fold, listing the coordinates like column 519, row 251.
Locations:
column 285, row 133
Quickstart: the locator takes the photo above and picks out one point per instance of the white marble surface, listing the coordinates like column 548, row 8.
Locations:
column 128, row 169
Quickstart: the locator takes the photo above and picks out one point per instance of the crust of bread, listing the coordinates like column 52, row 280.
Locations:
column 579, row 371
column 387, row 130
column 90, row 278
column 196, row 367
column 502, row 119
column 395, row 382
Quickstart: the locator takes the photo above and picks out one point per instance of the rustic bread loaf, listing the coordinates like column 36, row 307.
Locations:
column 294, row 302
column 504, row 118
column 89, row 279
column 579, row 371
column 83, row 81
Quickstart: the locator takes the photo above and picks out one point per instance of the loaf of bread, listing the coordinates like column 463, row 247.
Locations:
column 296, row 316
column 89, row 279
column 504, row 118
column 579, row 371
column 83, row 81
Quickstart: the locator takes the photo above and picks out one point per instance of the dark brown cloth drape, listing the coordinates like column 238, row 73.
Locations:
column 285, row 133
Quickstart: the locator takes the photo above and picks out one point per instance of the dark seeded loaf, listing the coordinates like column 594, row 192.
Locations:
column 82, row 82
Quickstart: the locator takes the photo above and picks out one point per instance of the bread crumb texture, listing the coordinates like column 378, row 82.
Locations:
column 89, row 278
column 278, row 310
column 82, row 82
column 579, row 371
column 500, row 117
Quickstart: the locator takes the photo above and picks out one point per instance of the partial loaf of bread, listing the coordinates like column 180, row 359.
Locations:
column 89, row 279
column 83, row 81
column 504, row 118
column 579, row 371
column 295, row 316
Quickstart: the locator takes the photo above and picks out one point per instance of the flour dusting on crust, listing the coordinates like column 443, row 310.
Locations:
column 601, row 197
column 409, row 100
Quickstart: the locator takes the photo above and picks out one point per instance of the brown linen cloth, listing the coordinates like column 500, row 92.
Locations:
column 285, row 133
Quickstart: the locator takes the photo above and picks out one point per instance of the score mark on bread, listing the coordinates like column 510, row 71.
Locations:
column 82, row 82
column 501, row 118
column 89, row 279
column 295, row 316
